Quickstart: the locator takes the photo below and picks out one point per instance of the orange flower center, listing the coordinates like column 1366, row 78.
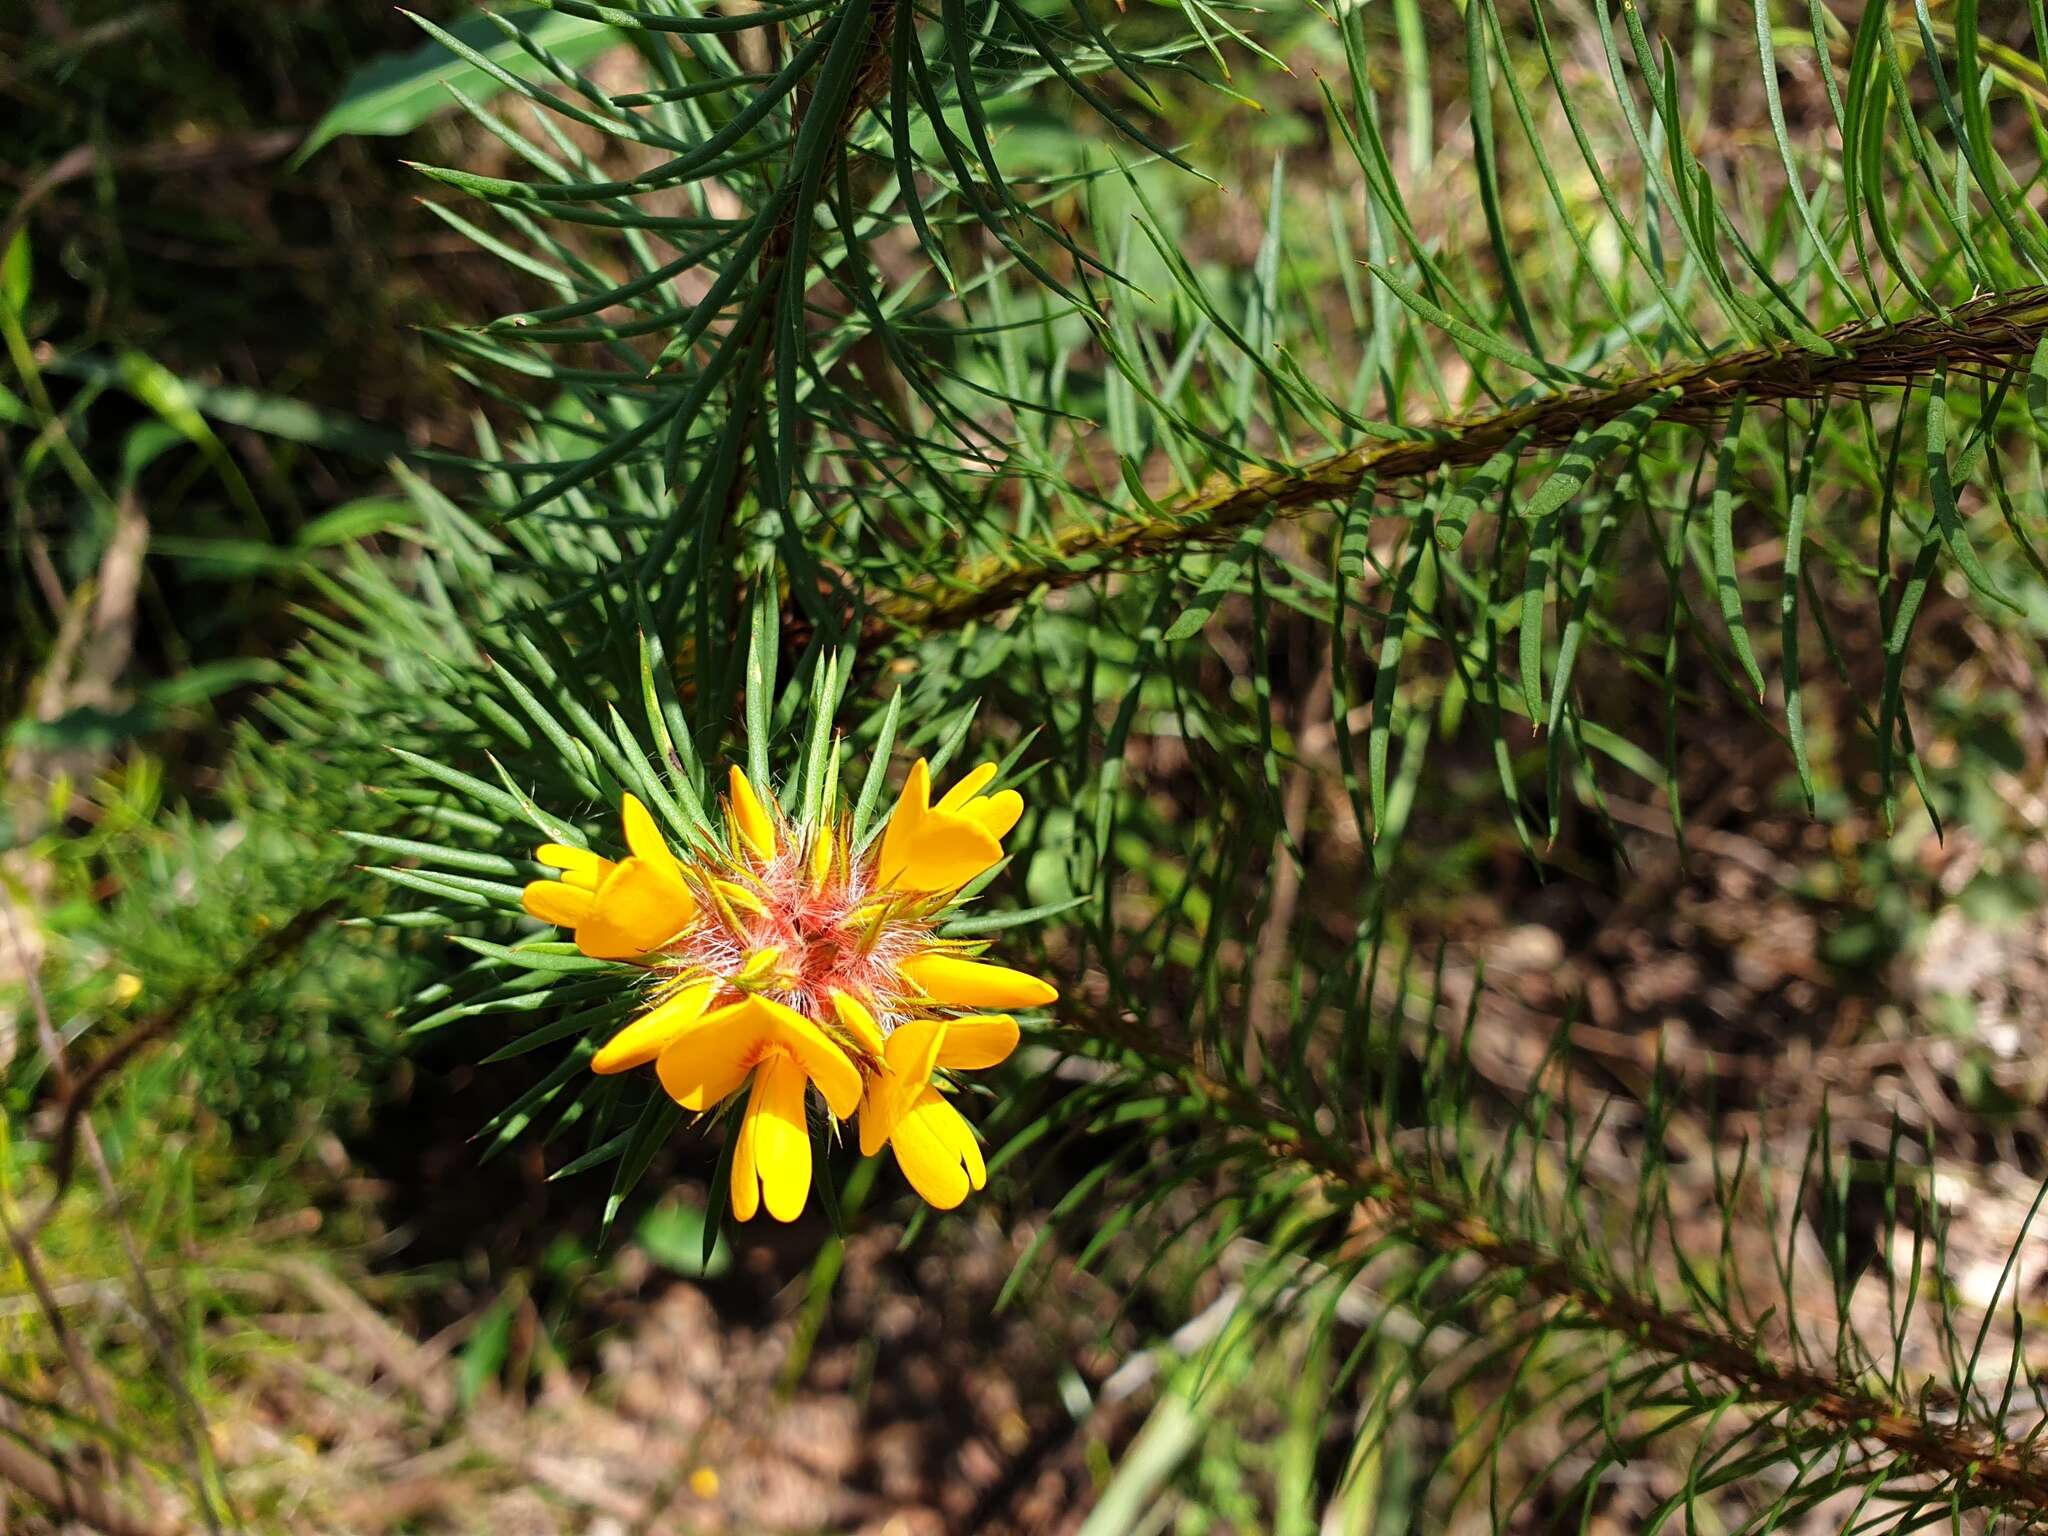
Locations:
column 829, row 936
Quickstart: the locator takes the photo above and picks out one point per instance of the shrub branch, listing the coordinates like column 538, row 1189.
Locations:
column 1997, row 333
column 1438, row 1220
column 2015, row 1470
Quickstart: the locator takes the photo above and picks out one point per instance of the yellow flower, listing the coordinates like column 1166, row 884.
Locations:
column 787, row 961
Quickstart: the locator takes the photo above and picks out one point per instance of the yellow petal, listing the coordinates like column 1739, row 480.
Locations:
column 556, row 901
column 858, row 1022
column 654, row 1031
column 579, row 866
column 967, row 788
column 782, row 1138
column 746, row 1183
column 645, row 839
column 943, row 853
column 824, row 1063
column 637, row 909
column 974, row 983
column 937, row 1152
column 875, row 1112
column 821, row 860
column 995, row 813
column 756, row 830
column 904, row 821
column 917, row 789
column 980, row 1041
column 913, row 1049
column 706, row 1065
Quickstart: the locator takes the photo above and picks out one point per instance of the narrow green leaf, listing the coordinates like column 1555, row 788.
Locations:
column 1387, row 675
column 395, row 94
column 877, row 777
column 2037, row 385
column 1590, row 446
column 1726, row 582
column 1482, row 485
column 1222, row 579
column 1947, row 516
column 1486, row 342
column 658, row 1120
column 1788, row 607
column 762, row 644
column 559, row 959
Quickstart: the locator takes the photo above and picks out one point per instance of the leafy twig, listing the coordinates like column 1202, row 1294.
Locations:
column 1440, row 1220
column 1997, row 332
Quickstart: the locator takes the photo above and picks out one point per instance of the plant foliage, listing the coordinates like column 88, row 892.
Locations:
column 1539, row 408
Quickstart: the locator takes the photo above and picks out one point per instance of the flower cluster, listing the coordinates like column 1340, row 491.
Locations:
column 792, row 958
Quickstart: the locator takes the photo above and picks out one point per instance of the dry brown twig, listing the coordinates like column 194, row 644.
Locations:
column 70, row 1497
